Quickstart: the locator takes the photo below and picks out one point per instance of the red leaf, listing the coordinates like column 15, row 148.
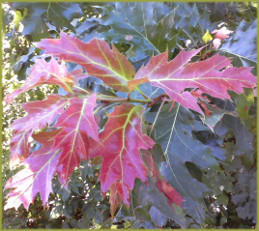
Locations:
column 199, row 94
column 62, row 151
column 44, row 73
column 212, row 76
column 36, row 176
column 145, row 71
column 96, row 57
column 135, row 82
column 155, row 63
column 78, row 74
column 40, row 113
column 172, row 195
column 116, row 192
column 78, row 124
column 119, row 146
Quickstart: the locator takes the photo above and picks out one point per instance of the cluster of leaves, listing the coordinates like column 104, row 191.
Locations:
column 192, row 148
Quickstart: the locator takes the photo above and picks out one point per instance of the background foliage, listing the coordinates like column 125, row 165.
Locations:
column 215, row 172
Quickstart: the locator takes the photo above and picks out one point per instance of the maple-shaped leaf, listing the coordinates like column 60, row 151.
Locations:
column 77, row 123
column 44, row 72
column 213, row 76
column 119, row 145
column 36, row 176
column 96, row 57
column 40, row 113
column 172, row 195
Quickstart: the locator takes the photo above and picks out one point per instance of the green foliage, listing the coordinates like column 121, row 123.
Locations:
column 245, row 37
column 213, row 167
column 37, row 18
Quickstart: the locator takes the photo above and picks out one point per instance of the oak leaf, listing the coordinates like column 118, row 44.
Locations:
column 96, row 57
column 44, row 72
column 37, row 174
column 213, row 76
column 62, row 149
column 119, row 145
column 77, row 123
column 40, row 113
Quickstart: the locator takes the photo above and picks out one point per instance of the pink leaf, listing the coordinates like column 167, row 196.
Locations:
column 40, row 113
column 96, row 57
column 213, row 76
column 119, row 146
column 77, row 123
column 44, row 72
column 36, row 176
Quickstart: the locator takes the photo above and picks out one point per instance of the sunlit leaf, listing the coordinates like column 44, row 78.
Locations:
column 119, row 146
column 36, row 176
column 213, row 76
column 44, row 72
column 77, row 123
column 40, row 114
column 96, row 57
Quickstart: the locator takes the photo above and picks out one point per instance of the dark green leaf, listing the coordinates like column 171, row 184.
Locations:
column 60, row 14
column 243, row 137
column 146, row 27
column 64, row 193
column 242, row 44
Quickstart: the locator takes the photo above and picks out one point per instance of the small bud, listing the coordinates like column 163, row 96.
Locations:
column 207, row 37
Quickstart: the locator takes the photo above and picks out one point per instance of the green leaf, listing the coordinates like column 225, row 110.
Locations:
column 174, row 132
column 65, row 194
column 151, row 196
column 242, row 44
column 60, row 14
column 218, row 180
column 244, row 194
column 143, row 224
column 215, row 116
column 243, row 138
column 244, row 102
column 146, row 27
column 56, row 212
column 17, row 19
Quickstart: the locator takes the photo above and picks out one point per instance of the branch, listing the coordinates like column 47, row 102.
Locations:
column 106, row 98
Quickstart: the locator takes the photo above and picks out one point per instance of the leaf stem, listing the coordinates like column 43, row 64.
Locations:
column 106, row 98
column 142, row 93
column 104, row 106
column 82, row 89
